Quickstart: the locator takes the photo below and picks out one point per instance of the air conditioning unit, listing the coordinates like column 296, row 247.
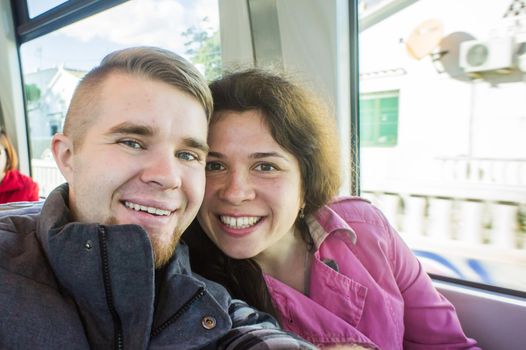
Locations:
column 486, row 55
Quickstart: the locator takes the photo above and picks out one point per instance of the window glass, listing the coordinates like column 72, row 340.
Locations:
column 443, row 125
column 53, row 64
column 37, row 7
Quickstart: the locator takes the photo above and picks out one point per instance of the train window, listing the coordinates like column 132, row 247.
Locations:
column 37, row 7
column 443, row 119
column 53, row 64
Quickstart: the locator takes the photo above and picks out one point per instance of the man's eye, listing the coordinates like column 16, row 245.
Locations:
column 265, row 167
column 132, row 144
column 214, row 166
column 188, row 156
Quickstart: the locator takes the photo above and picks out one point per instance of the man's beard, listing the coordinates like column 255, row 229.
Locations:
column 162, row 252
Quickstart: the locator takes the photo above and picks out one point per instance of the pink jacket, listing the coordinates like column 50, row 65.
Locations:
column 379, row 296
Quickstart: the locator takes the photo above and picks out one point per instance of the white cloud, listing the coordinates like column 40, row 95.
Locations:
column 146, row 22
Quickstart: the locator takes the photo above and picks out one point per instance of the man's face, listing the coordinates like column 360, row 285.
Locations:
column 141, row 160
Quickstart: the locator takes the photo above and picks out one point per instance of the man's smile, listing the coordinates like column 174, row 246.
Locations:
column 147, row 209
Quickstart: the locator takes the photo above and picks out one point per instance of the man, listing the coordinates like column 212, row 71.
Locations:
column 99, row 266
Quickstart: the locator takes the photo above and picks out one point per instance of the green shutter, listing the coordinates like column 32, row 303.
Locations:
column 379, row 119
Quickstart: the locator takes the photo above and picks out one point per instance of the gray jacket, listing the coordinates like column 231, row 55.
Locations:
column 68, row 285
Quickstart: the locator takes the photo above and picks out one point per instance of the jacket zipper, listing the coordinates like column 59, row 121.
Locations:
column 117, row 324
column 197, row 295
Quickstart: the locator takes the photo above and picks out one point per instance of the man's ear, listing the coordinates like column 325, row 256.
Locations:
column 62, row 148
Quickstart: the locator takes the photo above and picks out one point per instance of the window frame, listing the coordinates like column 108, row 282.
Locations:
column 69, row 12
column 27, row 29
column 354, row 97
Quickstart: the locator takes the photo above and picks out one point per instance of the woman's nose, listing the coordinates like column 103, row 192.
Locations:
column 237, row 188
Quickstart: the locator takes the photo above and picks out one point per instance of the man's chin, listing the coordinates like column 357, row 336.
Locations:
column 163, row 251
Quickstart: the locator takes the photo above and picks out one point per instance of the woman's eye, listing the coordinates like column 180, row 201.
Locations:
column 265, row 167
column 214, row 166
column 132, row 144
column 188, row 156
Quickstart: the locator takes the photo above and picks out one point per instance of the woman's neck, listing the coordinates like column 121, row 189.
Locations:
column 288, row 261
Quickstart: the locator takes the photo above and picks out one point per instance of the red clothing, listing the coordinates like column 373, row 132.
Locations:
column 16, row 187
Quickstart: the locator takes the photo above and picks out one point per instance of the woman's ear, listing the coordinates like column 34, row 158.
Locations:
column 62, row 148
column 301, row 213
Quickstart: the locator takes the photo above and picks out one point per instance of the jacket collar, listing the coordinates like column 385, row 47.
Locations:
column 54, row 215
column 326, row 221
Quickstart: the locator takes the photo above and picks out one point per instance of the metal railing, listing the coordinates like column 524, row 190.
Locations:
column 46, row 174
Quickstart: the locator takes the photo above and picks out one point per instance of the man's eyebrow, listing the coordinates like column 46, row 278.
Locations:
column 195, row 143
column 128, row 128
column 132, row 128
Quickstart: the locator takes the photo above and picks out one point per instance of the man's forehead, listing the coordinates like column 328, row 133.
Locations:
column 152, row 104
column 142, row 89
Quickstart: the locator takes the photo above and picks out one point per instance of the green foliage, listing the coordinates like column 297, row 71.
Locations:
column 32, row 92
column 204, row 49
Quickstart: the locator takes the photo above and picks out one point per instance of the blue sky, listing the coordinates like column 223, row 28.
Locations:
column 138, row 22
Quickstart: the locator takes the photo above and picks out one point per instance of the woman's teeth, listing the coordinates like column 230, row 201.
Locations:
column 239, row 222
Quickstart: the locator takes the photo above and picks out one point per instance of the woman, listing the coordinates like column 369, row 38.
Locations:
column 14, row 186
column 332, row 270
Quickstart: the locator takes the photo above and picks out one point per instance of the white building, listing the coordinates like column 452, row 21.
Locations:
column 46, row 115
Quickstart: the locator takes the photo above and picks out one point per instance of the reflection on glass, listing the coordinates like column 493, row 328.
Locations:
column 453, row 182
column 53, row 64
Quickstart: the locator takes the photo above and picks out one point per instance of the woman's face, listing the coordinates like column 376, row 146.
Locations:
column 253, row 187
column 3, row 160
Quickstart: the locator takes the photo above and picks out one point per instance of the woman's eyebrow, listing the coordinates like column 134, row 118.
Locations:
column 216, row 154
column 259, row 155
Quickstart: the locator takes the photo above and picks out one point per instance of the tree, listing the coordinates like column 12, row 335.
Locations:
column 204, row 49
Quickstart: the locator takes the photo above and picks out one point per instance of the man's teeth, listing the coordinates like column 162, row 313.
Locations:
column 239, row 222
column 151, row 210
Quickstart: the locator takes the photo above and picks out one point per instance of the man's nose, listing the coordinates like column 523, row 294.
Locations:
column 163, row 170
column 237, row 188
